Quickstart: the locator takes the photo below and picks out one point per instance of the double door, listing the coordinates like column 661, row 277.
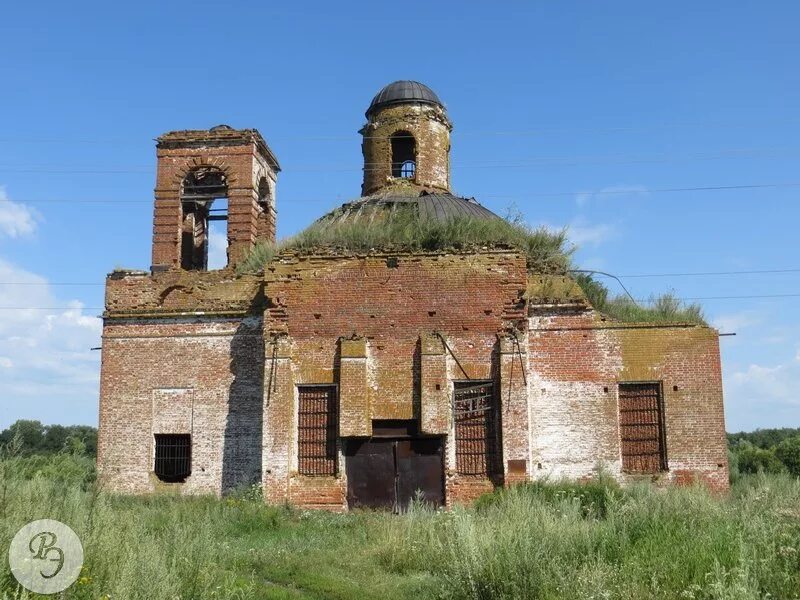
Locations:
column 390, row 472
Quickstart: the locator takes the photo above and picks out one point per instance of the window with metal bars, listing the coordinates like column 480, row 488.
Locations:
column 641, row 426
column 173, row 457
column 475, row 415
column 316, row 439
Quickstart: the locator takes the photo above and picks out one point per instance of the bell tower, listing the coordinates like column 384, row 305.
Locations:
column 406, row 140
column 220, row 178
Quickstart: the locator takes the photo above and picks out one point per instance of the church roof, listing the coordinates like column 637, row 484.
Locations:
column 400, row 92
column 430, row 206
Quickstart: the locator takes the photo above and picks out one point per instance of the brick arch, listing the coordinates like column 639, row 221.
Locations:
column 199, row 162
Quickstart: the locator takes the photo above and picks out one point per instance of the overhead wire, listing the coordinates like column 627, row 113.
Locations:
column 502, row 163
column 531, row 132
column 708, row 188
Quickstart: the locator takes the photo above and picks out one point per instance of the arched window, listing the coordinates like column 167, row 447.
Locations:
column 204, row 228
column 264, row 194
column 404, row 155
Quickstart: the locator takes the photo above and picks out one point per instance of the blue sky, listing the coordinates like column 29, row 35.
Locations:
column 555, row 104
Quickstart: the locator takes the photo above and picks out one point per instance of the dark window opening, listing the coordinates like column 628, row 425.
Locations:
column 475, row 415
column 199, row 229
column 264, row 195
column 641, row 426
column 404, row 155
column 316, row 425
column 173, row 457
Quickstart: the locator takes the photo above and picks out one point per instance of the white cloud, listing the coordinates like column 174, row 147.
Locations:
column 16, row 219
column 611, row 192
column 734, row 322
column 217, row 249
column 49, row 371
column 582, row 233
column 764, row 395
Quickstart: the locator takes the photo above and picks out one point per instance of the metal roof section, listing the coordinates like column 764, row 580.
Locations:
column 404, row 91
column 430, row 206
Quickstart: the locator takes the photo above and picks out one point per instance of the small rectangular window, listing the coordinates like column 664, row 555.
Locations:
column 641, row 425
column 173, row 457
column 475, row 413
column 316, row 439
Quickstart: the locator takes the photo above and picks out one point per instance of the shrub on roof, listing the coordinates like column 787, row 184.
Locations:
column 546, row 251
column 659, row 309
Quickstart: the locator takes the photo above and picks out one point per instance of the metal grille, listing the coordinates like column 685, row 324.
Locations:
column 173, row 457
column 317, row 430
column 474, row 408
column 408, row 169
column 641, row 425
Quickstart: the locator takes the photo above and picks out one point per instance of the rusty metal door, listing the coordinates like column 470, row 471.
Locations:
column 388, row 473
column 419, row 470
column 370, row 473
column 641, row 424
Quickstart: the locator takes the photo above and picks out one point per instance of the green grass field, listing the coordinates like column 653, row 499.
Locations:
column 537, row 541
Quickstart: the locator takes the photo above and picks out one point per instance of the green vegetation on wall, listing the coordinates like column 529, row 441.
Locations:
column 546, row 251
column 403, row 230
column 659, row 309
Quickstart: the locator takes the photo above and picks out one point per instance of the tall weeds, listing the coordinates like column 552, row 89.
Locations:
column 558, row 540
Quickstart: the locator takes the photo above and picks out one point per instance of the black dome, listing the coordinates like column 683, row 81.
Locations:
column 400, row 92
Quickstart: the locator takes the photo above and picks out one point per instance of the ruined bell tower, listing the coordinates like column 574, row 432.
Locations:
column 219, row 174
column 406, row 140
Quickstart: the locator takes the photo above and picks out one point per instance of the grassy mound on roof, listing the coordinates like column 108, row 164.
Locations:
column 546, row 251
column 665, row 308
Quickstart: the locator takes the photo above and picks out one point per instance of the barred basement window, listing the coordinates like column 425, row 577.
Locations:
column 173, row 457
column 475, row 412
column 316, row 439
column 641, row 426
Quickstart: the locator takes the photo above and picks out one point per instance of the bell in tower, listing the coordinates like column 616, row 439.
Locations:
column 406, row 140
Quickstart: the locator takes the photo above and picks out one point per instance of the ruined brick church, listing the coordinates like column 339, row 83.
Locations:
column 342, row 379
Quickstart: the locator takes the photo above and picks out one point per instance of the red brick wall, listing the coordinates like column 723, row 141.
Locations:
column 578, row 361
column 219, row 363
column 374, row 330
column 315, row 301
column 242, row 160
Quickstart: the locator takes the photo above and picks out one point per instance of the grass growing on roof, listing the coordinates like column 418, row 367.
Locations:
column 665, row 308
column 546, row 251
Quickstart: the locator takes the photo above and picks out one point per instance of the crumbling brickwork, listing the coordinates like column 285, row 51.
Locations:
column 430, row 128
column 387, row 333
column 250, row 170
column 462, row 364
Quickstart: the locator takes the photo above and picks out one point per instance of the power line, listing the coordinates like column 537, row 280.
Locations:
column 505, row 163
column 630, row 276
column 711, row 273
column 640, row 300
column 536, row 131
column 745, row 297
column 713, row 188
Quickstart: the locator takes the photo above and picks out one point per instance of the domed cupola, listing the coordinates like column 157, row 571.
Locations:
column 406, row 140
column 402, row 92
